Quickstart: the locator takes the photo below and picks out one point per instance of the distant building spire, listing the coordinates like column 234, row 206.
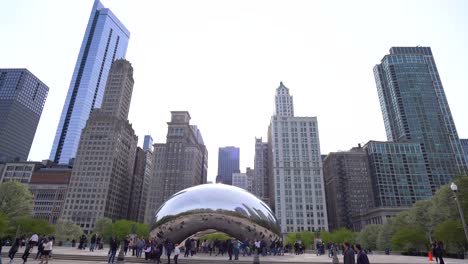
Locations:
column 283, row 102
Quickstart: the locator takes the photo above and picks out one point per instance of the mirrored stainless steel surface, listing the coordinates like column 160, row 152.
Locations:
column 225, row 208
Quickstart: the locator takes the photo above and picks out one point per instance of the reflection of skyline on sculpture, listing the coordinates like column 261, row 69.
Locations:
column 215, row 206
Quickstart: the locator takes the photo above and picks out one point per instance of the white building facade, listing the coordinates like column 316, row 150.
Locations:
column 296, row 178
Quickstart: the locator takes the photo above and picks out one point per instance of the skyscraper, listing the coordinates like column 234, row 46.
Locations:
column 180, row 163
column 22, row 98
column 101, row 179
column 142, row 173
column 228, row 163
column 297, row 191
column 464, row 143
column 260, row 180
column 148, row 143
column 415, row 109
column 105, row 40
column 348, row 186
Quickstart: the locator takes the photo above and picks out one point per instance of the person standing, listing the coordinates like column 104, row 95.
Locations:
column 236, row 247
column 229, row 247
column 187, row 247
column 361, row 255
column 14, row 248
column 47, row 249
column 348, row 254
column 93, row 243
column 176, row 253
column 113, row 250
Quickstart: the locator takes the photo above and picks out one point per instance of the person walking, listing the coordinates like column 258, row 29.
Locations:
column 14, row 248
column 236, row 247
column 1, row 245
column 33, row 240
column 361, row 255
column 168, row 246
column 40, row 247
column 348, row 254
column 126, row 244
column 47, row 249
column 439, row 252
column 113, row 250
column 26, row 253
column 176, row 253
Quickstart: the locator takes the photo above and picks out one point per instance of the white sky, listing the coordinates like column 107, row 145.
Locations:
column 222, row 61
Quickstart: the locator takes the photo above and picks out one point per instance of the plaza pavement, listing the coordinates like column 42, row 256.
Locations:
column 68, row 255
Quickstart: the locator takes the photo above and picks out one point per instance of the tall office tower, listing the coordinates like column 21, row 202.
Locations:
column 180, row 163
column 105, row 40
column 260, row 181
column 101, row 178
column 415, row 109
column 148, row 143
column 464, row 143
column 228, row 163
column 348, row 186
column 250, row 174
column 142, row 174
column 22, row 98
column 400, row 177
column 283, row 102
column 297, row 191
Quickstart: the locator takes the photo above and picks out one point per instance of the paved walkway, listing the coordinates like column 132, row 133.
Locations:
column 307, row 258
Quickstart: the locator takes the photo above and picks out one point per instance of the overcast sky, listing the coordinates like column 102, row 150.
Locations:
column 223, row 60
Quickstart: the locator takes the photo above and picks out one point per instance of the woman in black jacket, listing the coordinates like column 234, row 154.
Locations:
column 14, row 249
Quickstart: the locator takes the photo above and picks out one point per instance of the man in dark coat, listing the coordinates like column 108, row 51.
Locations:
column 361, row 255
column 229, row 248
column 169, row 246
column 348, row 254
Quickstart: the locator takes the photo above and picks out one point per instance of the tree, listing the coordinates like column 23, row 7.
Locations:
column 3, row 224
column 343, row 235
column 15, row 200
column 451, row 233
column 27, row 226
column 66, row 229
column 142, row 230
column 419, row 215
column 368, row 236
column 409, row 239
column 103, row 227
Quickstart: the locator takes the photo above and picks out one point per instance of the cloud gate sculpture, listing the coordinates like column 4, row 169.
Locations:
column 225, row 208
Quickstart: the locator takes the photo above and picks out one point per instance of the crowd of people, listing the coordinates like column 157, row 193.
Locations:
column 44, row 248
column 159, row 250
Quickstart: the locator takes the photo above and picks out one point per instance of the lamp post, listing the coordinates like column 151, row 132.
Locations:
column 454, row 188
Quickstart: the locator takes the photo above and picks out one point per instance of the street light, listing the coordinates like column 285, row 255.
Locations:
column 454, row 188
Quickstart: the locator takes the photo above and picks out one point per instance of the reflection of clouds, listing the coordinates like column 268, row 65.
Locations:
column 215, row 206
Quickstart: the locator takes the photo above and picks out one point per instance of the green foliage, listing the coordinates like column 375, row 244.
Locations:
column 326, row 236
column 103, row 227
column 142, row 230
column 27, row 226
column 409, row 239
column 306, row 237
column 452, row 234
column 343, row 235
column 368, row 236
column 122, row 228
column 212, row 237
column 15, row 200
column 66, row 229
column 3, row 224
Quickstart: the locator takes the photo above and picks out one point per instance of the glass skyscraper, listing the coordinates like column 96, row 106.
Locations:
column 22, row 98
column 464, row 143
column 228, row 163
column 105, row 40
column 415, row 109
